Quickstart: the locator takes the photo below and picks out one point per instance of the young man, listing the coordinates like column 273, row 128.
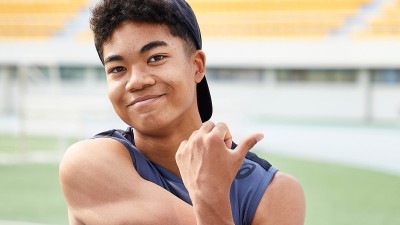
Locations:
column 172, row 165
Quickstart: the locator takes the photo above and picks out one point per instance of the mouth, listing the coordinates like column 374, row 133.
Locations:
column 144, row 100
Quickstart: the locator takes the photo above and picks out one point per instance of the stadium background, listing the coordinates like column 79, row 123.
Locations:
column 321, row 78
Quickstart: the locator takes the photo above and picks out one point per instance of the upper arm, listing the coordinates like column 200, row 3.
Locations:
column 283, row 203
column 101, row 186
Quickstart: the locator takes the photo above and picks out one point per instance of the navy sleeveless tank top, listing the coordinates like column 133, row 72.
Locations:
column 246, row 191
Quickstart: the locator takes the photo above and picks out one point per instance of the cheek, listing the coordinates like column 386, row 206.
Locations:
column 114, row 92
column 110, row 92
column 115, row 95
column 184, row 84
column 187, row 90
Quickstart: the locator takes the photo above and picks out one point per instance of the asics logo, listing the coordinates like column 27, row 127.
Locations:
column 245, row 170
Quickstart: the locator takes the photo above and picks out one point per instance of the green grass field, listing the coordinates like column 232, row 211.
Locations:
column 15, row 145
column 336, row 195
column 31, row 193
column 341, row 195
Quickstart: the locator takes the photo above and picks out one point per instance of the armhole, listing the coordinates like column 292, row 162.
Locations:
column 123, row 138
column 262, row 187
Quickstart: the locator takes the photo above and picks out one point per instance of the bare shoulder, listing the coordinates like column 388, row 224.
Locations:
column 92, row 153
column 101, row 186
column 90, row 173
column 86, row 159
column 282, row 203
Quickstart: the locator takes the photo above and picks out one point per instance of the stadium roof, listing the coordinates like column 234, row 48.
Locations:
column 256, row 54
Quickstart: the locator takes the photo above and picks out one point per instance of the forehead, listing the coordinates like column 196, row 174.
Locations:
column 133, row 35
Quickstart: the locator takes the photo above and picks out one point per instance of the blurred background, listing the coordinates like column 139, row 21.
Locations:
column 320, row 78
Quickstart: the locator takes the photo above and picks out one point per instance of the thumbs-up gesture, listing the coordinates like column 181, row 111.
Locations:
column 208, row 166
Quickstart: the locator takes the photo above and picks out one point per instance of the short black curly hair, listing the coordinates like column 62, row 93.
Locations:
column 109, row 14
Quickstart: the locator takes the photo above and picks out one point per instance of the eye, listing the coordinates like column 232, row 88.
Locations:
column 156, row 58
column 117, row 69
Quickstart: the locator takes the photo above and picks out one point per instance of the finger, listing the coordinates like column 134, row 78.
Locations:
column 183, row 143
column 193, row 135
column 179, row 152
column 222, row 130
column 206, row 127
column 248, row 143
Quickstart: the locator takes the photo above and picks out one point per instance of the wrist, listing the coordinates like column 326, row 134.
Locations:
column 213, row 209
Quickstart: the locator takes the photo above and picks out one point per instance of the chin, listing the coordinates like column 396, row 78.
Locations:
column 150, row 125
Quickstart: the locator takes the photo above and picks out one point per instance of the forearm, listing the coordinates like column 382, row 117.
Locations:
column 210, row 210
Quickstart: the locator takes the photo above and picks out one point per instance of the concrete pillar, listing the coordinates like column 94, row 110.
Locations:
column 90, row 77
column 55, row 78
column 6, row 93
column 364, row 82
column 269, row 80
column 22, row 82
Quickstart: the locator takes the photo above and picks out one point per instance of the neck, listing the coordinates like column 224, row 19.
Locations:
column 161, row 149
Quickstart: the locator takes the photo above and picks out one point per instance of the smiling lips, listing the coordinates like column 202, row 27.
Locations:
column 144, row 100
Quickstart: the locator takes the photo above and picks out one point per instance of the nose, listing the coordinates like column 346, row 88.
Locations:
column 139, row 79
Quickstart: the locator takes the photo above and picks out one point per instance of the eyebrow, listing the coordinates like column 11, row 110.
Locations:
column 113, row 58
column 151, row 45
column 145, row 48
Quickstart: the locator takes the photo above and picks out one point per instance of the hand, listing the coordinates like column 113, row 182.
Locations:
column 208, row 165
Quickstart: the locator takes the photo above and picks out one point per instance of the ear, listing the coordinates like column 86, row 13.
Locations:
column 199, row 59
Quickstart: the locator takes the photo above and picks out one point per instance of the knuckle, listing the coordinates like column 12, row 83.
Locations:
column 181, row 148
column 194, row 133
column 222, row 124
column 209, row 123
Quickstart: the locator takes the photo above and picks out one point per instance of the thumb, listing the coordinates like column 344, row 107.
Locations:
column 248, row 143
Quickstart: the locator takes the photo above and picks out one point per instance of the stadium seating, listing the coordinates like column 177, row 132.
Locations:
column 219, row 19
column 275, row 5
column 32, row 19
column 222, row 19
column 384, row 25
column 273, row 18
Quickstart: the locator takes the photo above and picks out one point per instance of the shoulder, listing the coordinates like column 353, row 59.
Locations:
column 91, row 169
column 101, row 186
column 90, row 155
column 88, row 158
column 283, row 202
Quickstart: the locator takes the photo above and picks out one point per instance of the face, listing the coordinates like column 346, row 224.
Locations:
column 151, row 78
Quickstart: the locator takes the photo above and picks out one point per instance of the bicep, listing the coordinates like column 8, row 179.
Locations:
column 283, row 203
column 101, row 186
